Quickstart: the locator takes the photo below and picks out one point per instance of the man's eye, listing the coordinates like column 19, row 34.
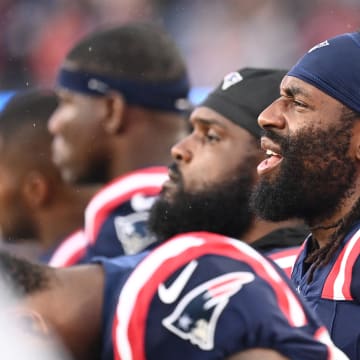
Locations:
column 299, row 103
column 212, row 137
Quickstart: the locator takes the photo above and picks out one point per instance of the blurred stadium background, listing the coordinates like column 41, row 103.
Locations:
column 215, row 36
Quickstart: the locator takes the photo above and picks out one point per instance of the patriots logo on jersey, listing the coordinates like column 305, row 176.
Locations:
column 140, row 202
column 196, row 315
column 132, row 232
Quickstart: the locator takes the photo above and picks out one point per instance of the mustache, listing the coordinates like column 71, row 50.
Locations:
column 282, row 141
column 175, row 172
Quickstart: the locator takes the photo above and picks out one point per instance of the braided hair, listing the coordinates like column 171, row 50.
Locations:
column 322, row 256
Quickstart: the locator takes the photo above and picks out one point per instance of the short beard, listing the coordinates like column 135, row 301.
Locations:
column 223, row 209
column 314, row 176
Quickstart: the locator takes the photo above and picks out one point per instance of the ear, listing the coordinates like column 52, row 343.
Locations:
column 30, row 321
column 114, row 122
column 35, row 189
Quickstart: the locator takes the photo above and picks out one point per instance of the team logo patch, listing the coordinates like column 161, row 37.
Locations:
column 131, row 231
column 141, row 202
column 196, row 315
column 231, row 79
column 318, row 46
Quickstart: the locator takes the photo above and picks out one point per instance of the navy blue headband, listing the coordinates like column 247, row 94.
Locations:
column 333, row 66
column 164, row 95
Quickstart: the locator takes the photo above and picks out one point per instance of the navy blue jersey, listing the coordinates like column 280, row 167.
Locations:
column 205, row 296
column 116, row 217
column 334, row 292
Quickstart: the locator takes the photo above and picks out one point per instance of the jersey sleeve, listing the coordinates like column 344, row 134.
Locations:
column 210, row 305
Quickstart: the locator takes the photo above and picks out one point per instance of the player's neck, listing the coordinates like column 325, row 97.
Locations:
column 64, row 217
column 261, row 228
column 323, row 229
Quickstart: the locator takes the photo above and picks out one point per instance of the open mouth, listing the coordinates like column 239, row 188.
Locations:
column 273, row 157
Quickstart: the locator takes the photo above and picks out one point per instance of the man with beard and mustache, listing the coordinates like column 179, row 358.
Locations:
column 248, row 308
column 215, row 168
column 197, row 296
column 312, row 139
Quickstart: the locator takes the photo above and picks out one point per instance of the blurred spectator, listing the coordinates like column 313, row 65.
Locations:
column 122, row 11
column 215, row 36
column 59, row 32
column 35, row 36
column 327, row 19
column 219, row 37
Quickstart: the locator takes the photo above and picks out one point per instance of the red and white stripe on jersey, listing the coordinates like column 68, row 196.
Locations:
column 146, row 181
column 70, row 250
column 286, row 258
column 138, row 291
column 338, row 282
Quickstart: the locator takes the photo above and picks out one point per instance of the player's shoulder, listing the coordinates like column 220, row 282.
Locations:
column 342, row 282
column 199, row 261
column 124, row 186
column 128, row 197
column 70, row 251
column 204, row 247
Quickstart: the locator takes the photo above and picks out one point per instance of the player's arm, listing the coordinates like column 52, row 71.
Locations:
column 258, row 354
column 71, row 305
column 67, row 302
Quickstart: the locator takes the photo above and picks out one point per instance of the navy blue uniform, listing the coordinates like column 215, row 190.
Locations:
column 205, row 296
column 334, row 292
column 116, row 217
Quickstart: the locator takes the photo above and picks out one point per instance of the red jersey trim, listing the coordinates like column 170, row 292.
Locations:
column 286, row 258
column 70, row 250
column 337, row 285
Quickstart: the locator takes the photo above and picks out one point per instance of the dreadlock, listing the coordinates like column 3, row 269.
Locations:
column 322, row 256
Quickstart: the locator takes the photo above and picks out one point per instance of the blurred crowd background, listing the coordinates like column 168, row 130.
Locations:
column 215, row 36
